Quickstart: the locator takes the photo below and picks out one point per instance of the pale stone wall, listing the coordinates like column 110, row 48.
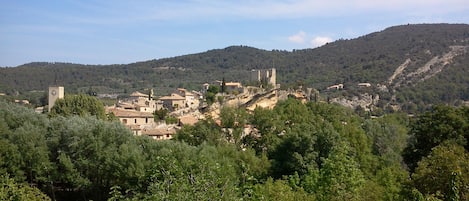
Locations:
column 268, row 75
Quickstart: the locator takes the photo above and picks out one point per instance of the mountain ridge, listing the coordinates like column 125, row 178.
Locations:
column 372, row 58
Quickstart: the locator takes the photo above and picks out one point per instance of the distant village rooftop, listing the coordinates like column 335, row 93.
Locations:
column 138, row 94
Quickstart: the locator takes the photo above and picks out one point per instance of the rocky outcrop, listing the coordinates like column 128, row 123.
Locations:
column 365, row 101
column 428, row 70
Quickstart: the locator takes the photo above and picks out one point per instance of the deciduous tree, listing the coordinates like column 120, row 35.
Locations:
column 81, row 105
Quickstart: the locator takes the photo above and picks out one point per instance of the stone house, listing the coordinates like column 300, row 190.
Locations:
column 365, row 84
column 133, row 119
column 141, row 102
column 191, row 98
column 159, row 133
column 336, row 87
column 173, row 102
column 231, row 87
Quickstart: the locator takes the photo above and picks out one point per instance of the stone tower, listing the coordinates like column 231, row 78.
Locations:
column 273, row 77
column 265, row 75
column 55, row 92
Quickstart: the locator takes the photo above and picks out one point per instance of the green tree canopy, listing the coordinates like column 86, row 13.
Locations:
column 205, row 131
column 81, row 105
column 444, row 171
column 11, row 190
column 432, row 128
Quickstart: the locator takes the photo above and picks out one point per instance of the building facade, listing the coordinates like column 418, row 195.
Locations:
column 268, row 76
column 55, row 92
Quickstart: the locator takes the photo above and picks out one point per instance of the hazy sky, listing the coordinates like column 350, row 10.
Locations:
column 126, row 31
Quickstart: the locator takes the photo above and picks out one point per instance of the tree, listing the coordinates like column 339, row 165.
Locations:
column 433, row 127
column 211, row 93
column 264, row 138
column 205, row 131
column 445, row 171
column 233, row 121
column 81, row 105
column 223, row 86
column 32, row 146
column 279, row 190
column 11, row 190
column 161, row 114
column 340, row 176
column 23, row 136
column 178, row 171
column 91, row 156
column 296, row 153
column 389, row 137
column 10, row 162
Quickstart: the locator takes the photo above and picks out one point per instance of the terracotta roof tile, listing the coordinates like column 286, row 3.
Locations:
column 159, row 131
column 130, row 113
column 138, row 94
column 172, row 97
column 188, row 120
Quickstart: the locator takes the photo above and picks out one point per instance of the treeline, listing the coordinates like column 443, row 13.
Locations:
column 313, row 151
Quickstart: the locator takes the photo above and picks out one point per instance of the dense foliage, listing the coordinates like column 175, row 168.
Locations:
column 10, row 190
column 313, row 151
column 81, row 105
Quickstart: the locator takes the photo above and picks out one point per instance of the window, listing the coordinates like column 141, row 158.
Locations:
column 124, row 121
column 135, row 120
column 146, row 120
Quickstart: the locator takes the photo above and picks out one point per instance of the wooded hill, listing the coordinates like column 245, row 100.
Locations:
column 419, row 65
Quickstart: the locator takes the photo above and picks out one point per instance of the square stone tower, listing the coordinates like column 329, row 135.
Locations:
column 55, row 92
column 265, row 75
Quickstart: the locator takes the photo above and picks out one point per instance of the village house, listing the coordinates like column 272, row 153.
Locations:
column 187, row 120
column 133, row 119
column 364, row 84
column 205, row 87
column 173, row 102
column 336, row 87
column 140, row 102
column 231, row 87
column 159, row 133
column 192, row 99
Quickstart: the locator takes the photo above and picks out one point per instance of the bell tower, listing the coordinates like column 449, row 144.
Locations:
column 55, row 92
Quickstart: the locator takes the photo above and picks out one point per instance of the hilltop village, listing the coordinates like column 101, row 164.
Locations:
column 160, row 117
column 184, row 107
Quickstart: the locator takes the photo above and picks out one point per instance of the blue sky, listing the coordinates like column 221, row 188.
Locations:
column 127, row 31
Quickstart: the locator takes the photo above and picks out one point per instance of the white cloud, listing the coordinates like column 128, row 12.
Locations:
column 302, row 37
column 298, row 38
column 320, row 40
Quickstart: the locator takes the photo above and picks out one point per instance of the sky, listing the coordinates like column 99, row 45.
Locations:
column 128, row 31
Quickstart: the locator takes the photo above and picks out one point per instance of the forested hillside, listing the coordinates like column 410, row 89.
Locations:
column 296, row 151
column 414, row 65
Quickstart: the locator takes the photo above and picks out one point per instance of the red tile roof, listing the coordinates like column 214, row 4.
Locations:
column 172, row 97
column 188, row 120
column 159, row 131
column 138, row 94
column 130, row 113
